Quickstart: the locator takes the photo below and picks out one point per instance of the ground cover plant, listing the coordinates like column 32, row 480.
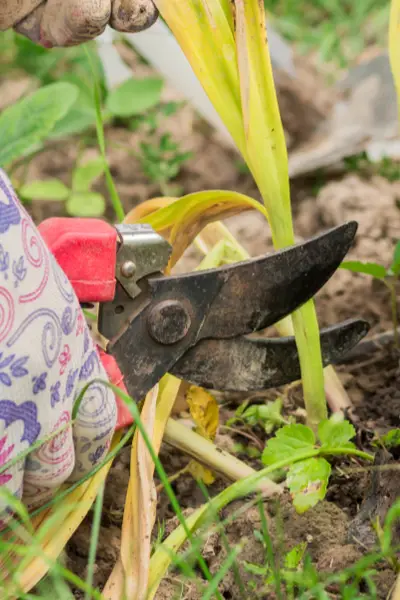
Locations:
column 307, row 538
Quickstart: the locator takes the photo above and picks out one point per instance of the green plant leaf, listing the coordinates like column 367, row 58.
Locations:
column 85, row 175
column 290, row 441
column 336, row 434
column 86, row 204
column 395, row 266
column 307, row 481
column 30, row 121
column 391, row 439
column 295, row 556
column 369, row 268
column 49, row 189
column 82, row 114
column 78, row 119
column 268, row 415
column 134, row 97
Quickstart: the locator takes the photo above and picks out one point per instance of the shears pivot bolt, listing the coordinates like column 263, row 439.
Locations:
column 169, row 322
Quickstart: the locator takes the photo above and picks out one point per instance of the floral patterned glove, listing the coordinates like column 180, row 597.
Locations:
column 46, row 357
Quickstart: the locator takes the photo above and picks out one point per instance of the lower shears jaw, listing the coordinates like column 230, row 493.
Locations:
column 254, row 364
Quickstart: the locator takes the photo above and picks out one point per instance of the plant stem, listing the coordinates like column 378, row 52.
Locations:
column 173, row 478
column 306, row 330
column 349, row 451
column 204, row 451
column 94, row 539
column 115, row 199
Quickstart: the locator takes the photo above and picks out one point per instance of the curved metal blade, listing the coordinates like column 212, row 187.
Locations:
column 247, row 364
column 261, row 293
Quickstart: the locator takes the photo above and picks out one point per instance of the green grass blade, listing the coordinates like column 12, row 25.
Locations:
column 97, row 514
column 115, row 199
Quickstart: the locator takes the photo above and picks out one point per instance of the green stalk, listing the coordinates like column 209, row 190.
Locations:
column 114, row 196
column 306, row 330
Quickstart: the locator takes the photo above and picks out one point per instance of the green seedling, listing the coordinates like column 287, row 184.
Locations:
column 386, row 167
column 268, row 416
column 390, row 441
column 309, row 473
column 152, row 119
column 159, row 537
column 162, row 161
column 292, row 563
column 80, row 200
column 388, row 276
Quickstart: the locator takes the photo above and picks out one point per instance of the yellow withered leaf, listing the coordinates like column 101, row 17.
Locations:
column 204, row 411
column 130, row 576
column 180, row 220
column 200, row 473
column 183, row 220
column 147, row 208
column 265, row 139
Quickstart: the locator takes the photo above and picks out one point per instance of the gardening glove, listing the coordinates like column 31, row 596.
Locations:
column 71, row 22
column 46, row 358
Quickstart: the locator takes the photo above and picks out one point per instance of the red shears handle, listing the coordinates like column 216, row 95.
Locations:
column 86, row 250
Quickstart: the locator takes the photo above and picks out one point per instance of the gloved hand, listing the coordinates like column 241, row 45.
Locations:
column 46, row 357
column 71, row 22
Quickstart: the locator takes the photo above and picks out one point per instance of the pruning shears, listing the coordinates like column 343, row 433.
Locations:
column 196, row 326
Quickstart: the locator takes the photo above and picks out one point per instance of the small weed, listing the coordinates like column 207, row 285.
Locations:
column 268, row 416
column 152, row 119
column 387, row 167
column 80, row 200
column 309, row 473
column 159, row 537
column 293, row 562
column 162, row 161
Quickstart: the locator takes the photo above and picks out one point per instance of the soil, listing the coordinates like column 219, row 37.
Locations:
column 337, row 531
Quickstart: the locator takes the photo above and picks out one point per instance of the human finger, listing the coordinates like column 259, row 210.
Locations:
column 69, row 23
column 132, row 15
